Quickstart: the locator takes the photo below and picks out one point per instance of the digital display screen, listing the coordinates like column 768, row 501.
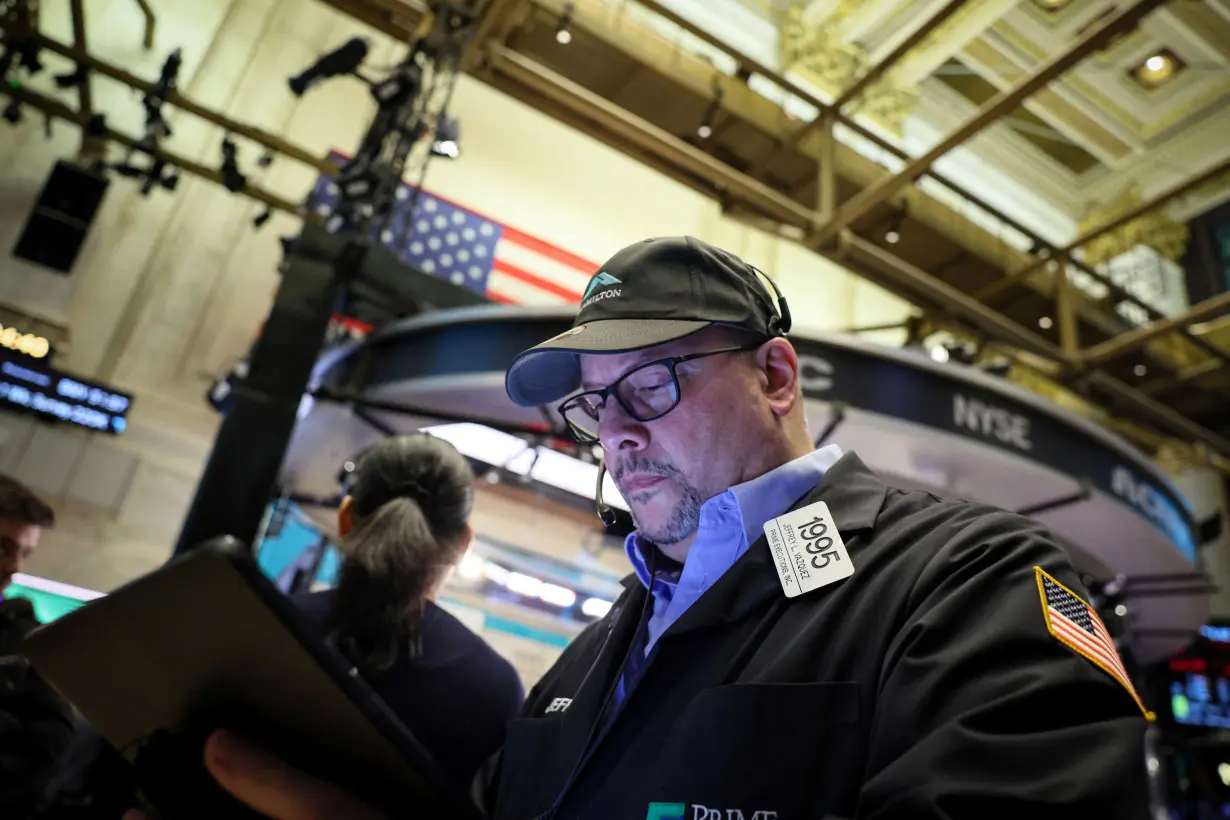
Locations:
column 54, row 394
column 1200, row 693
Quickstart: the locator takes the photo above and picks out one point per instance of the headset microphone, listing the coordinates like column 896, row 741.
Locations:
column 605, row 511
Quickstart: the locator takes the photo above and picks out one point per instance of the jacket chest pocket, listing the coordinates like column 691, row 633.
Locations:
column 793, row 749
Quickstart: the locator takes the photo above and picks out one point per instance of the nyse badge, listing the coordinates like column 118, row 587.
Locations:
column 807, row 550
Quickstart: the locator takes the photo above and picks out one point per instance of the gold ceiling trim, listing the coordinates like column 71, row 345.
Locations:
column 1192, row 108
column 818, row 54
column 1153, row 229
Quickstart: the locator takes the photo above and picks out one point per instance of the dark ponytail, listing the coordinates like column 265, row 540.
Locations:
column 411, row 501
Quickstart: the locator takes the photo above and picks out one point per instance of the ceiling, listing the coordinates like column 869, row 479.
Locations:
column 889, row 135
column 1158, row 92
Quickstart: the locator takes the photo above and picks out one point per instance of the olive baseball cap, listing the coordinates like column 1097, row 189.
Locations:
column 649, row 293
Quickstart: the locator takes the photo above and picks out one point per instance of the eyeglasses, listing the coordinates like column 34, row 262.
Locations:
column 646, row 392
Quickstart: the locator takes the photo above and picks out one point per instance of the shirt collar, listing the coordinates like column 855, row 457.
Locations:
column 754, row 501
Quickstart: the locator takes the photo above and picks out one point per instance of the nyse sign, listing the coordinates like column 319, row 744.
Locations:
column 991, row 422
column 815, row 374
column 1153, row 504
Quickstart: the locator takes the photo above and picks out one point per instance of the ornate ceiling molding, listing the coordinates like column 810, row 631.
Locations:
column 1153, row 229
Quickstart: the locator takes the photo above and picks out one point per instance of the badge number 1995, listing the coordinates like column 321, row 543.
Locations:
column 807, row 550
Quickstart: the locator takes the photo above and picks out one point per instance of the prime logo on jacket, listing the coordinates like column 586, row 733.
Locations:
column 685, row 811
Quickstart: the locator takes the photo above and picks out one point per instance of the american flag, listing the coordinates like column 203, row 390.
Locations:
column 1075, row 624
column 474, row 251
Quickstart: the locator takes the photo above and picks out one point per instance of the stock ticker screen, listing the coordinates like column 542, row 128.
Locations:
column 54, row 394
column 1199, row 681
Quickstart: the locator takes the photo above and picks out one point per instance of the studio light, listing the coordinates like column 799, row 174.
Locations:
column 232, row 179
column 705, row 129
column 1046, row 323
column 893, row 235
column 563, row 31
column 446, row 142
column 1140, row 370
column 156, row 127
column 73, row 79
column 345, row 59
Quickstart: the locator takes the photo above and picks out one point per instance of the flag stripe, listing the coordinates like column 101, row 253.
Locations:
column 1094, row 647
column 517, row 272
column 461, row 246
column 543, row 267
column 515, row 291
column 560, row 255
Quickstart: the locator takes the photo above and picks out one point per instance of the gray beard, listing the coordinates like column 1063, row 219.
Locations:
column 683, row 523
column 684, row 519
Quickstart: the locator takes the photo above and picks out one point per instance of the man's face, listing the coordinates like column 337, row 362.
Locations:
column 17, row 542
column 667, row 468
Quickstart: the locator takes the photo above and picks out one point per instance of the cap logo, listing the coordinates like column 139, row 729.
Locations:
column 601, row 279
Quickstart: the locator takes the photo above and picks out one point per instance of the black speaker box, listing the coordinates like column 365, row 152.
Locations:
column 61, row 218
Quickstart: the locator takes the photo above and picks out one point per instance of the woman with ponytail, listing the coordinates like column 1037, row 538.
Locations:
column 403, row 524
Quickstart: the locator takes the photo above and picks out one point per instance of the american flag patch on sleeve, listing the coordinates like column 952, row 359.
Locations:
column 1074, row 623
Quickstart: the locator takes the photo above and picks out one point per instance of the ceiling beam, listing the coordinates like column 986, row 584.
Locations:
column 596, row 108
column 1125, row 19
column 1160, row 413
column 920, row 284
column 995, row 288
column 861, row 84
column 1125, row 343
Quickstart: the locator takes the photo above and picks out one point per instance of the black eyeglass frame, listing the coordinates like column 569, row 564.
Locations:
column 612, row 389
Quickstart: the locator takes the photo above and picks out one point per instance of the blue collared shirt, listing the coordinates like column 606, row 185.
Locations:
column 729, row 524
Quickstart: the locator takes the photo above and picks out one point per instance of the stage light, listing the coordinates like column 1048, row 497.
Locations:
column 705, row 129
column 563, row 31
column 1140, row 370
column 1045, row 323
column 345, row 59
column 896, row 224
column 557, row 595
column 232, row 179
column 596, row 607
column 446, row 141
column 1121, row 611
column 939, row 353
column 523, row 584
column 471, row 567
column 71, row 80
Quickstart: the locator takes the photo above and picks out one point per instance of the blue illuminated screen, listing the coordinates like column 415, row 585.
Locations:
column 50, row 392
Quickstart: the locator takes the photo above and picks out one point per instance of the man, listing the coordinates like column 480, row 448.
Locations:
column 798, row 640
column 36, row 725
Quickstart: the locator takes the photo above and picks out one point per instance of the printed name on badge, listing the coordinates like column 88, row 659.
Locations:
column 807, row 550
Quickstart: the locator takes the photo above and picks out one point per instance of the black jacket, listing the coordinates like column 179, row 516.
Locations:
column 36, row 724
column 926, row 685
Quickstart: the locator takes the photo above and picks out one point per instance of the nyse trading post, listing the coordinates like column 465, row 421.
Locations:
column 53, row 394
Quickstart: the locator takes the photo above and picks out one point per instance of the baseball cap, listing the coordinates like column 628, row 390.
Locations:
column 652, row 292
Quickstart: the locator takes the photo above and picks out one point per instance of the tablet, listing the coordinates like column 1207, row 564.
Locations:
column 209, row 641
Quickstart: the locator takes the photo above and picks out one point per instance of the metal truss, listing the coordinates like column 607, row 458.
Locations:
column 826, row 224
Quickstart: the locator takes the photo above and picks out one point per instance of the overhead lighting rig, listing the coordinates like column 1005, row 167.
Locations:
column 320, row 270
